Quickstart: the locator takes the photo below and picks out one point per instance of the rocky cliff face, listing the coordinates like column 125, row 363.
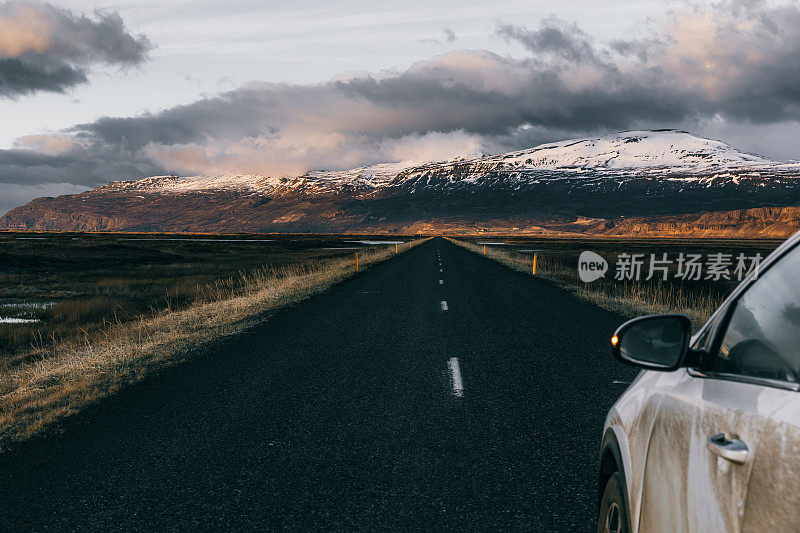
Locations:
column 629, row 183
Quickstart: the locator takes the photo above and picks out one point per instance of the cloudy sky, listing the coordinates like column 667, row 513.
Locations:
column 96, row 91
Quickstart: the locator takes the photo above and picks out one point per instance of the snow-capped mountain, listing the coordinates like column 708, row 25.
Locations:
column 661, row 151
column 321, row 180
column 633, row 173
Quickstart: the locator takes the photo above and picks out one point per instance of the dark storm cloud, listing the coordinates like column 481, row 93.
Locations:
column 18, row 77
column 445, row 94
column 553, row 37
column 47, row 48
column 77, row 166
column 735, row 63
column 247, row 111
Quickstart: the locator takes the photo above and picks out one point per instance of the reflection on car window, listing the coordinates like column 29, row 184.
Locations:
column 763, row 336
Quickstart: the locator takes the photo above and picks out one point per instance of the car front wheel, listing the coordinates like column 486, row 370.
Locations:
column 613, row 517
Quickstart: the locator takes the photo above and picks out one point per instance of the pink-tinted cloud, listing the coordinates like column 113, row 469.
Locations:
column 22, row 30
column 47, row 48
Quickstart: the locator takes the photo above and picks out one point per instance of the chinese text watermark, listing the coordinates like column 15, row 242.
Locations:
column 663, row 266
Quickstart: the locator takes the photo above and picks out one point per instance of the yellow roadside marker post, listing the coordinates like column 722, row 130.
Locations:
column 484, row 249
column 534, row 265
column 356, row 261
column 395, row 247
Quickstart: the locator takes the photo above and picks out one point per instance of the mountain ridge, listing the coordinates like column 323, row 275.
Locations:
column 555, row 187
column 654, row 151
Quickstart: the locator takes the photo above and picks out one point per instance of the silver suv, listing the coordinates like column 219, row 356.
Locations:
column 707, row 437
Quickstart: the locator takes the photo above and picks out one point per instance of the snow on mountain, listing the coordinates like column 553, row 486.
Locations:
column 631, row 152
column 375, row 175
column 327, row 180
column 582, row 185
column 643, row 149
column 179, row 184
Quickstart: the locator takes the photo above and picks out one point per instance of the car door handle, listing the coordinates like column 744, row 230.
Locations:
column 728, row 447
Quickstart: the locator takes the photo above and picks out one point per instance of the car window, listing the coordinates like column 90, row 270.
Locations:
column 762, row 339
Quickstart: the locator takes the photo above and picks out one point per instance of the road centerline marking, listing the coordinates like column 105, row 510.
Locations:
column 441, row 282
column 455, row 375
column 444, row 305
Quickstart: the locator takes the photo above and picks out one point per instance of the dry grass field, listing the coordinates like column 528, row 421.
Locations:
column 111, row 326
column 56, row 287
column 557, row 260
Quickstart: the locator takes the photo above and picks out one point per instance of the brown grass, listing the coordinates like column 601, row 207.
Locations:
column 629, row 299
column 58, row 378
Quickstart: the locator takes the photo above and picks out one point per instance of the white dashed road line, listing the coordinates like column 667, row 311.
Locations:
column 441, row 282
column 455, row 374
column 444, row 305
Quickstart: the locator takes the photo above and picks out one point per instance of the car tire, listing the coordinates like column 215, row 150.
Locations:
column 613, row 516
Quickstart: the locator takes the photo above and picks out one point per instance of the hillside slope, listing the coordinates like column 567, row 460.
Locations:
column 581, row 185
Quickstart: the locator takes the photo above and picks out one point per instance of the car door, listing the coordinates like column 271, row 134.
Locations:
column 766, row 326
column 689, row 485
column 706, row 463
column 773, row 495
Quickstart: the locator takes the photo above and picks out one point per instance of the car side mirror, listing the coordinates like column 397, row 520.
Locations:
column 654, row 342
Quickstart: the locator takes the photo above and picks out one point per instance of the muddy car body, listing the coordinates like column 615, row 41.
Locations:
column 707, row 437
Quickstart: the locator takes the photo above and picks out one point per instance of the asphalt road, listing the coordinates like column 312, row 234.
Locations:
column 367, row 407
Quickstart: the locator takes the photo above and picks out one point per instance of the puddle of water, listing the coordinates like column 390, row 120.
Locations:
column 198, row 240
column 21, row 311
column 9, row 320
column 28, row 306
column 379, row 242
